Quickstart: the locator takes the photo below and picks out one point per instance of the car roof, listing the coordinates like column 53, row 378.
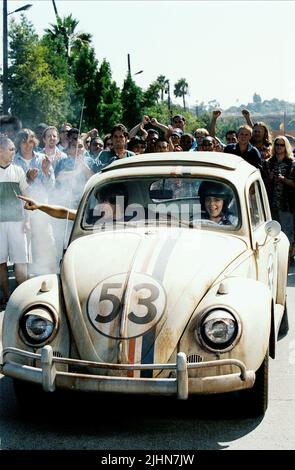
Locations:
column 210, row 159
column 218, row 164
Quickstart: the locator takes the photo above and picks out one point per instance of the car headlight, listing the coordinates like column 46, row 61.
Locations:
column 37, row 326
column 218, row 330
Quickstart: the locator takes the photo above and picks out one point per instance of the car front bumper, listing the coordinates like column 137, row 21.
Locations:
column 181, row 385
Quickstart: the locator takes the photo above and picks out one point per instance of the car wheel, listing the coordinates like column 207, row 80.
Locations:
column 256, row 398
column 284, row 326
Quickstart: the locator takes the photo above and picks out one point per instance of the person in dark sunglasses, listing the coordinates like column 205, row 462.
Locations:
column 279, row 180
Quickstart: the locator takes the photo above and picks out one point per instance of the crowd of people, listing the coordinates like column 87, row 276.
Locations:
column 53, row 165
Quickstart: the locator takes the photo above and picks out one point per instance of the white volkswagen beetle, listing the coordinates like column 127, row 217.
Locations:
column 173, row 283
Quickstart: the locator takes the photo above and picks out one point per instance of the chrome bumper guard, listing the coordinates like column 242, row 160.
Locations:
column 181, row 385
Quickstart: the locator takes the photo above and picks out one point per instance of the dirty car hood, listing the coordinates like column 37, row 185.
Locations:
column 130, row 294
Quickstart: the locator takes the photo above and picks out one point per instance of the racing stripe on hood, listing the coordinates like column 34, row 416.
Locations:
column 158, row 272
column 135, row 344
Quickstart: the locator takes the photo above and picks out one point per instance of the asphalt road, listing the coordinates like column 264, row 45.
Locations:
column 94, row 422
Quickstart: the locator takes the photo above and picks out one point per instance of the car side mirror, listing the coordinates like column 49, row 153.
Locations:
column 272, row 228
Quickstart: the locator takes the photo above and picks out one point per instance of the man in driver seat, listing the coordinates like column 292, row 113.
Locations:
column 112, row 200
column 215, row 198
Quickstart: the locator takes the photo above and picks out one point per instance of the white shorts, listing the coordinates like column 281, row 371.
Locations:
column 13, row 243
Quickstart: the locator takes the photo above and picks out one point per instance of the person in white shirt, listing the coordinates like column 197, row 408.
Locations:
column 13, row 244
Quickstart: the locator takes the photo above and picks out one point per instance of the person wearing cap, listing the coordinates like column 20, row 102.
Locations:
column 175, row 138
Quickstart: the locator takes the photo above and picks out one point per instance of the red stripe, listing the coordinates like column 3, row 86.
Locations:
column 131, row 355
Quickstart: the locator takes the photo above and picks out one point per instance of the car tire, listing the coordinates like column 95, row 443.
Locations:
column 284, row 326
column 256, row 398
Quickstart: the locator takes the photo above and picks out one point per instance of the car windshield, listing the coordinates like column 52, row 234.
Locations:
column 175, row 201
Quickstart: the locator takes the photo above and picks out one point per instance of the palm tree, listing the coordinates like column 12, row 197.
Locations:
column 65, row 29
column 162, row 81
column 181, row 89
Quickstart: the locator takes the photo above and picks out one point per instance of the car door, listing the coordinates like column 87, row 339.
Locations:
column 264, row 247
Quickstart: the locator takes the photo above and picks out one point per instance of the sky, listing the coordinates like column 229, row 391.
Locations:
column 226, row 50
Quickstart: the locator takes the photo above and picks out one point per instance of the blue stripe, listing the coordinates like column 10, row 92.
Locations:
column 148, row 340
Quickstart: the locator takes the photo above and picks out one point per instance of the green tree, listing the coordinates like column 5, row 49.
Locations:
column 85, row 74
column 151, row 95
column 60, row 70
column 109, row 107
column 162, row 81
column 131, row 99
column 65, row 30
column 35, row 94
column 181, row 89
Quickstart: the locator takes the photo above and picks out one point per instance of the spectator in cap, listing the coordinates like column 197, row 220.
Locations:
column 178, row 132
column 175, row 139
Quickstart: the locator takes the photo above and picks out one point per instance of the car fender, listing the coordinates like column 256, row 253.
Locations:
column 251, row 301
column 41, row 290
